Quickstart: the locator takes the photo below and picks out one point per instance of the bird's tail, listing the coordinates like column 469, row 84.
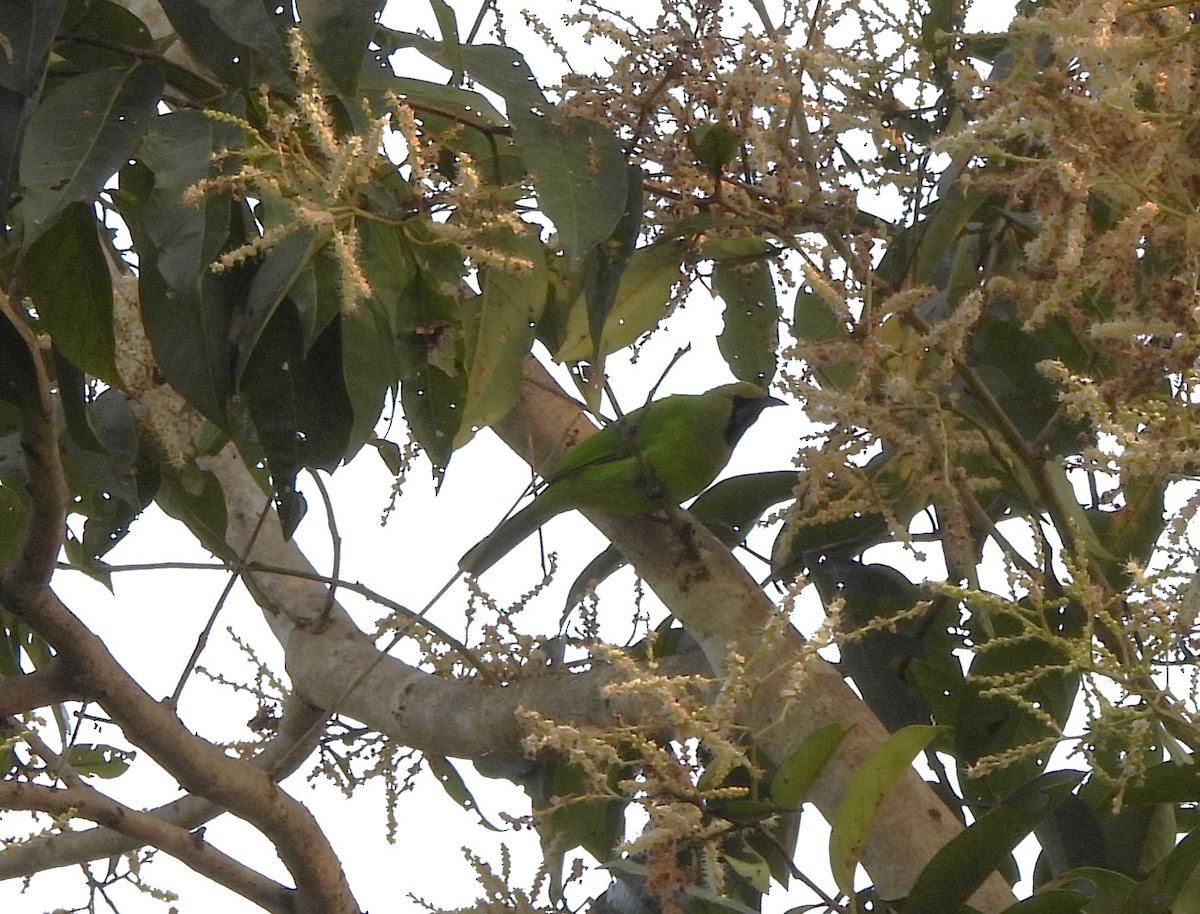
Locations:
column 506, row 537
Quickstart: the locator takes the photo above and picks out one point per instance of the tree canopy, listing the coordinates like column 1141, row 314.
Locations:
column 245, row 243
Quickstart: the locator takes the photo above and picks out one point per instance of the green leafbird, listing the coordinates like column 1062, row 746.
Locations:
column 661, row 454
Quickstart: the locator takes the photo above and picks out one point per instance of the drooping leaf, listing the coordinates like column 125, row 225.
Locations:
column 864, row 793
column 750, row 340
column 81, row 133
column 95, row 760
column 280, row 268
column 337, row 33
column 451, row 45
column 643, row 299
column 28, row 34
column 240, row 42
column 29, row 30
column 507, row 316
column 297, row 400
column 66, row 274
column 962, row 865
column 578, row 165
column 187, row 308
column 456, row 788
column 988, row 723
column 112, row 485
column 791, row 781
column 432, row 402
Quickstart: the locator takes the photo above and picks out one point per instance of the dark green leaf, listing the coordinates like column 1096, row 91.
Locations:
column 881, row 661
column 606, row 262
column 1054, row 901
column 337, row 33
column 432, row 402
column 29, row 30
column 187, row 309
column 986, row 724
column 1169, row 881
column 90, row 759
column 105, row 35
column 451, row 45
column 643, row 298
column 113, row 485
column 578, row 165
column 281, row 266
column 239, row 41
column 66, row 275
column 297, row 400
column 750, row 340
column 961, row 867
column 18, row 371
column 79, row 136
column 1106, row 891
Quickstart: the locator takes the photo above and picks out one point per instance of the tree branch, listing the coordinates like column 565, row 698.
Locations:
column 189, row 848
column 717, row 601
column 297, row 737
column 48, row 686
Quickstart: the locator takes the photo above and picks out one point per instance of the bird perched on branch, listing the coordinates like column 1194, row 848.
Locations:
column 659, row 455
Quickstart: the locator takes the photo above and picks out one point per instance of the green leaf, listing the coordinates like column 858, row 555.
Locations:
column 507, row 316
column 297, row 400
column 1107, row 892
column 985, row 724
column 793, row 778
column 102, row 35
column 79, row 136
column 18, row 371
column 456, row 788
column 14, row 510
column 66, row 275
column 337, row 33
column 187, row 309
column 865, row 791
column 280, row 268
column 94, row 760
column 642, row 301
column 29, row 30
column 606, row 263
column 196, row 499
column 1052, row 901
column 750, row 340
column 962, row 865
column 882, row 662
column 578, row 166
column 432, row 402
column 1172, row 886
column 714, row 146
column 241, row 42
column 814, row 320
column 731, row 507
column 113, row 485
column 451, row 45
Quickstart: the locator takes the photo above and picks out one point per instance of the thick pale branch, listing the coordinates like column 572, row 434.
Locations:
column 189, row 848
column 718, row 602
column 298, row 734
column 48, row 686
column 341, row 669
